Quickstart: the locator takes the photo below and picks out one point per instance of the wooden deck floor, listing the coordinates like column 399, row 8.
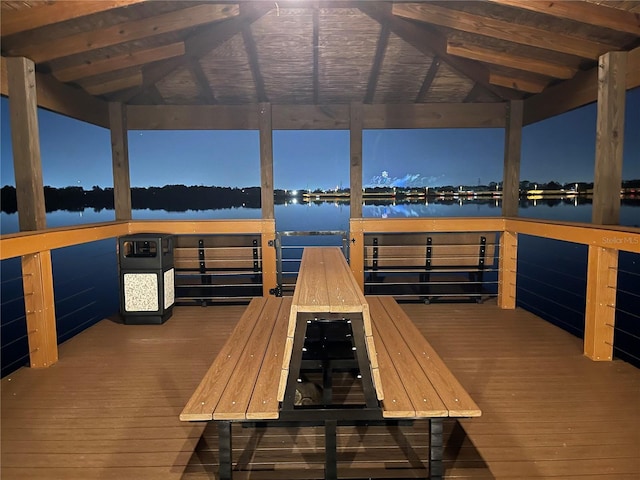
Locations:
column 109, row 408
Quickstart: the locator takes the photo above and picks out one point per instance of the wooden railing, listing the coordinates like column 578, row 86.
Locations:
column 604, row 242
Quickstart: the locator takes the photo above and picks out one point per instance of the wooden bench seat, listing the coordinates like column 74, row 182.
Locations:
column 242, row 382
column 416, row 382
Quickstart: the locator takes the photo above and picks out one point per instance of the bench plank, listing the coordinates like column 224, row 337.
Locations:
column 454, row 396
column 234, row 402
column 264, row 401
column 399, row 365
column 206, row 396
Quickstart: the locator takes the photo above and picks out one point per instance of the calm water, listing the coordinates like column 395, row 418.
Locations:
column 551, row 274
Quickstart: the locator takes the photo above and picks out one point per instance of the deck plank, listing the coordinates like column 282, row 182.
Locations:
column 109, row 408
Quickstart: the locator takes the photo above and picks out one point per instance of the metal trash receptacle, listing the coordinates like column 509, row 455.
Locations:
column 147, row 288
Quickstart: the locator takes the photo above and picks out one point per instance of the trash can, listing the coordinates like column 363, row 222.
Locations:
column 147, row 291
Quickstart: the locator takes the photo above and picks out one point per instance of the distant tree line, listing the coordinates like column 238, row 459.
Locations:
column 179, row 198
column 170, row 198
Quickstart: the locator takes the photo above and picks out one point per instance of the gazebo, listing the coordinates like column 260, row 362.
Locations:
column 319, row 65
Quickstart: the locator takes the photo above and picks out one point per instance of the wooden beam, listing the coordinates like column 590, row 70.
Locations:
column 609, row 139
column 505, row 59
column 599, row 15
column 266, row 161
column 512, row 151
column 203, row 41
column 114, row 85
column 574, row 93
column 431, row 43
column 57, row 97
column 507, row 273
column 131, row 59
column 125, row 32
column 254, row 64
column 502, row 29
column 355, row 165
column 475, row 92
column 192, row 117
column 25, row 137
column 529, row 85
column 315, row 117
column 428, row 80
column 600, row 314
column 120, row 157
column 381, row 48
column 48, row 13
column 37, row 283
column 435, row 115
column 202, row 82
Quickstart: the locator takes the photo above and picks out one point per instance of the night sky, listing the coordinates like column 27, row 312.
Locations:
column 560, row 149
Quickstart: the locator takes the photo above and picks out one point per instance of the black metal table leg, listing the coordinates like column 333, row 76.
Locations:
column 224, row 449
column 330, row 450
column 436, row 449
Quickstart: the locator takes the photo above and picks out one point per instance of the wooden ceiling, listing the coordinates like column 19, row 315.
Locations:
column 315, row 52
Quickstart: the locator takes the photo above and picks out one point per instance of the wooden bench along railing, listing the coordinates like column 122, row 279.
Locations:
column 217, row 267
column 254, row 377
column 447, row 265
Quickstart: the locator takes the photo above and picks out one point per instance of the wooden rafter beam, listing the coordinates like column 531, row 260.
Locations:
column 131, row 59
column 580, row 90
column 381, row 48
column 254, row 64
column 115, row 85
column 48, row 13
column 473, row 94
column 584, row 12
column 505, row 59
column 428, row 80
column 204, row 87
column 430, row 42
column 125, row 32
column 528, row 85
column 201, row 42
column 501, row 29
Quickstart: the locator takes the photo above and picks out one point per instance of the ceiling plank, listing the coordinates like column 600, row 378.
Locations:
column 125, row 32
column 575, row 93
column 47, row 13
column 60, row 98
column 112, row 64
column 428, row 80
column 115, row 85
column 584, row 12
column 501, row 29
column 316, row 55
column 523, row 84
column 381, row 48
column 430, row 42
column 496, row 57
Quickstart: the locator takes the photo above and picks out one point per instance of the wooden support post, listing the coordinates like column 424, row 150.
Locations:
column 508, row 270
column 23, row 107
column 37, row 281
column 602, row 280
column 355, row 137
column 356, row 251
column 266, row 160
column 269, row 270
column 120, row 160
column 37, row 276
column 512, row 148
column 609, row 138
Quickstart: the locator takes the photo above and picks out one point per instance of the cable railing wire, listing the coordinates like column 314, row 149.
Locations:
column 534, row 294
column 547, row 269
column 551, row 285
column 531, row 308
